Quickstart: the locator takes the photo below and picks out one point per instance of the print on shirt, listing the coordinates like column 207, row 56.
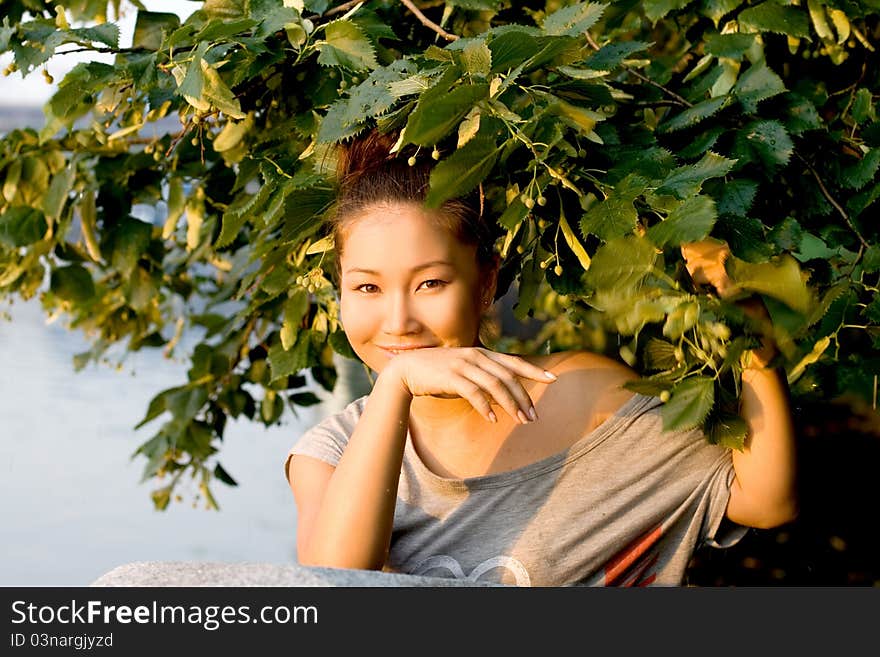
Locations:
column 451, row 565
column 629, row 566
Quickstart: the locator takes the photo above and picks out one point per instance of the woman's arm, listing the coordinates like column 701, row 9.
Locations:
column 345, row 514
column 763, row 494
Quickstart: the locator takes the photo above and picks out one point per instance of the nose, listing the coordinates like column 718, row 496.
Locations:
column 400, row 316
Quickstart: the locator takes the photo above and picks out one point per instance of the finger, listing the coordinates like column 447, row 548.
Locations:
column 473, row 393
column 510, row 379
column 496, row 389
column 520, row 366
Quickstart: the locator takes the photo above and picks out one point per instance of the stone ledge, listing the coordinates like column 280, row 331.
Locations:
column 201, row 573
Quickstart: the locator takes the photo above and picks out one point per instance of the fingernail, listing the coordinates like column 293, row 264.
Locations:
column 492, row 416
column 533, row 414
column 522, row 417
column 550, row 375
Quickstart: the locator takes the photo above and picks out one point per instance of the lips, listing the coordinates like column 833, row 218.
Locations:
column 393, row 350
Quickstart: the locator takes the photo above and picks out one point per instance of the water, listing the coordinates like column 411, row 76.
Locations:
column 73, row 506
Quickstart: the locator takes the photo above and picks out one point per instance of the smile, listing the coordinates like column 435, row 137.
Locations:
column 393, row 351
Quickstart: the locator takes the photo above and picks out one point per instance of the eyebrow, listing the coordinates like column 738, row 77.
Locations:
column 426, row 265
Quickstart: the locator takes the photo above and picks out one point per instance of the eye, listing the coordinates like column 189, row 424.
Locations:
column 371, row 288
column 433, row 284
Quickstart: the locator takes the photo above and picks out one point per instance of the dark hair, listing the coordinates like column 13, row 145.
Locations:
column 369, row 174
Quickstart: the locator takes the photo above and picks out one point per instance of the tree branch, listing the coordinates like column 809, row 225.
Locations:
column 342, row 8
column 831, row 200
column 428, row 23
column 679, row 100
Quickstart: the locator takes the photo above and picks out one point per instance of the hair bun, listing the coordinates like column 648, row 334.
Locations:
column 363, row 155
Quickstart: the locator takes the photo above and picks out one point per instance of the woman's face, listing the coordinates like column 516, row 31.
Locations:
column 406, row 282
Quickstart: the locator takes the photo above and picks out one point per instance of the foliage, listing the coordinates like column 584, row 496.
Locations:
column 183, row 186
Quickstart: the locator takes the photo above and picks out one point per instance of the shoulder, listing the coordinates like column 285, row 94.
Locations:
column 585, row 376
column 327, row 439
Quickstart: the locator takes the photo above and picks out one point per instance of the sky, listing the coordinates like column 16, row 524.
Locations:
column 33, row 90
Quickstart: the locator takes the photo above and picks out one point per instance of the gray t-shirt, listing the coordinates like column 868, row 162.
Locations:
column 626, row 505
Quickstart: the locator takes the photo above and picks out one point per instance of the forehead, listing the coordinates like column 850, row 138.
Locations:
column 398, row 235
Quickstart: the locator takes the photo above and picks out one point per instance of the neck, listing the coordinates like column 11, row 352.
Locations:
column 437, row 417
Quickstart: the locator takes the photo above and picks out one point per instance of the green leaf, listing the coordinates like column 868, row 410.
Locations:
column 718, row 9
column 347, row 46
column 758, row 83
column 6, row 32
column 217, row 93
column 745, row 235
column 185, row 402
column 863, row 106
column 372, row 97
column 232, row 134
column 107, row 33
column 339, row 342
column 433, row 118
column 655, row 384
column 72, row 283
column 660, row 355
column 786, row 236
column 476, row 59
column 58, row 192
column 295, row 308
column 801, row 115
column 730, row 46
column 780, row 279
column 689, row 404
column 462, row 171
column 612, row 55
column 737, row 197
column 689, row 222
column 770, row 16
column 621, row 263
column 217, row 29
column 859, row 175
column 514, row 214
column 681, row 319
column 225, row 9
column 141, row 290
column 657, row 9
column 693, row 115
column 304, row 399
column 871, row 261
column 284, row 363
column 128, row 241
column 224, row 476
column 573, row 20
column 688, row 180
column 616, row 216
column 769, row 141
column 21, row 226
column 727, row 430
column 510, row 49
column 812, row 247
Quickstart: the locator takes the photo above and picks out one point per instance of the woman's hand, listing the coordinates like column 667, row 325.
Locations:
column 705, row 263
column 480, row 376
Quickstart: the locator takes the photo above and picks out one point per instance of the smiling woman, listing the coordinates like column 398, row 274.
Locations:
column 471, row 463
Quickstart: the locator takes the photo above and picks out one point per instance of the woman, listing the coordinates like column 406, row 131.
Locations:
column 469, row 463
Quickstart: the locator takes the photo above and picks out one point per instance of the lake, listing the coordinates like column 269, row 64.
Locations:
column 73, row 505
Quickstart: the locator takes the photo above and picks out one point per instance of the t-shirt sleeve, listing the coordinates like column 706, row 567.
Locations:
column 327, row 440
column 718, row 532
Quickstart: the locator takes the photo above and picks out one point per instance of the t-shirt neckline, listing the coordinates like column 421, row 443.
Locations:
column 632, row 407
